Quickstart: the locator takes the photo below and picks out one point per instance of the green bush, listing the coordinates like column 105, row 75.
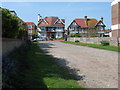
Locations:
column 10, row 27
column 59, row 38
column 51, row 39
column 77, row 41
column 104, row 43
column 77, row 35
column 95, row 36
column 71, row 35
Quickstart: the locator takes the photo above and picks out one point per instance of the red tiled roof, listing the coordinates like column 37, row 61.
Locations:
column 50, row 21
column 30, row 23
column 86, row 23
column 81, row 22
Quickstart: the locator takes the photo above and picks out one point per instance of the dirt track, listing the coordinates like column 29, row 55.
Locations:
column 100, row 67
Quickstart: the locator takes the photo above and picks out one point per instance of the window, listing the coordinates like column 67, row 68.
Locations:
column 42, row 21
column 74, row 23
column 29, row 26
column 74, row 28
column 29, row 31
column 43, row 34
column 59, row 34
column 59, row 28
column 99, row 28
column 42, row 28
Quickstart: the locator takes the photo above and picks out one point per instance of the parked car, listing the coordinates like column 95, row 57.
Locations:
column 38, row 39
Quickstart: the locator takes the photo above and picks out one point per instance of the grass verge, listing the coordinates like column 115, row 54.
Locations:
column 35, row 69
column 46, row 73
column 111, row 48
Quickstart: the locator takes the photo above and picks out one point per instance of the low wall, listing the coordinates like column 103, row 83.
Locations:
column 96, row 40
column 9, row 45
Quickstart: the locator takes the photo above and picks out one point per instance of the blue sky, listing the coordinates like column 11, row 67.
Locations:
column 28, row 11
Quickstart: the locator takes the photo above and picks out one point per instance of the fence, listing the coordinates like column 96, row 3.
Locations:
column 96, row 40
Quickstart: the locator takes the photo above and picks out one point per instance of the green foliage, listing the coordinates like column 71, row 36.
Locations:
column 104, row 43
column 35, row 69
column 13, row 68
column 71, row 35
column 10, row 23
column 77, row 35
column 95, row 35
column 46, row 73
column 51, row 39
column 35, row 35
column 22, row 32
column 77, row 41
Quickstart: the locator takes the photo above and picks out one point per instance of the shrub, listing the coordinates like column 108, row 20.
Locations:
column 95, row 36
column 104, row 43
column 71, row 35
column 51, row 39
column 77, row 35
column 77, row 41
column 10, row 23
column 59, row 38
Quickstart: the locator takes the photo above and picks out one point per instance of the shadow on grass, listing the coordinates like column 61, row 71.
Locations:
column 57, row 66
column 33, row 68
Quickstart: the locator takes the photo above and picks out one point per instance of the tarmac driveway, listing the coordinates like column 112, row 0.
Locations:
column 98, row 68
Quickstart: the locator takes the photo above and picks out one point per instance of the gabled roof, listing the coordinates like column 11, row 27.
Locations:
column 91, row 22
column 51, row 22
column 100, row 22
column 81, row 22
column 30, row 23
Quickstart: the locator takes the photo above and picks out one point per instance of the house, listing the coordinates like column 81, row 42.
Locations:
column 87, row 27
column 115, row 18
column 51, row 27
column 31, row 28
column 21, row 23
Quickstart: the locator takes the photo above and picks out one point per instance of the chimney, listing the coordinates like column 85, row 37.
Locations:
column 85, row 17
column 39, row 17
column 102, row 19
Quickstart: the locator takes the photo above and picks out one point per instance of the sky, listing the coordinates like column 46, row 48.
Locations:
column 28, row 11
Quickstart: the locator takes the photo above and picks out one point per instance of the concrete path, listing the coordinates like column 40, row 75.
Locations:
column 98, row 68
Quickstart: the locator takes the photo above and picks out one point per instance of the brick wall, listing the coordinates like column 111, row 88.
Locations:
column 115, row 19
column 9, row 45
column 113, row 40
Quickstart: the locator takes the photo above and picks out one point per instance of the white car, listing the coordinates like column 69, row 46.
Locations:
column 38, row 39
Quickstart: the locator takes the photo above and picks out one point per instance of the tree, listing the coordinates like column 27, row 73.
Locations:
column 10, row 27
column 35, row 35
column 22, row 33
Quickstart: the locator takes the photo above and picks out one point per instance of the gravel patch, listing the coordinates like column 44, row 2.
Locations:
column 95, row 68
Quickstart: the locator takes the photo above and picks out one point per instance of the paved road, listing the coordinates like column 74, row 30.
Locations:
column 99, row 67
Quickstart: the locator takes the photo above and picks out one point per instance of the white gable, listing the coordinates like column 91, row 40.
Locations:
column 100, row 23
column 59, row 21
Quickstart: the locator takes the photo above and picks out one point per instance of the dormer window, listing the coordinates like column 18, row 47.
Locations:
column 42, row 21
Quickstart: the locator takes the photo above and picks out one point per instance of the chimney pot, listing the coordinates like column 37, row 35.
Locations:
column 101, row 18
column 85, row 17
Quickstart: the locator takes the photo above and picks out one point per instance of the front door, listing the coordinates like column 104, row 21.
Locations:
column 52, row 35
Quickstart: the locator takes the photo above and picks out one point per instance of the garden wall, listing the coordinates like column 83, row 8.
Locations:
column 96, row 40
column 9, row 45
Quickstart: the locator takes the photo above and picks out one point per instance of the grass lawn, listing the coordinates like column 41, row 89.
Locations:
column 111, row 48
column 42, row 71
column 46, row 73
